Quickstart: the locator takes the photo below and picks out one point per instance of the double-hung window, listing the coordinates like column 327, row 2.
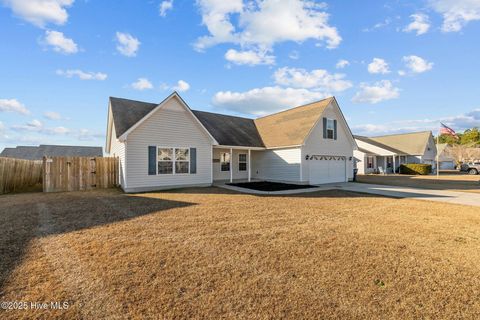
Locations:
column 165, row 160
column 369, row 162
column 330, row 129
column 225, row 161
column 173, row 160
column 242, row 162
column 182, row 160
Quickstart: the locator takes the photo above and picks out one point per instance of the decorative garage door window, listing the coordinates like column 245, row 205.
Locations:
column 320, row 157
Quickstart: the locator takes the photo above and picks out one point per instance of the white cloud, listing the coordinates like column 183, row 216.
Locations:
column 127, row 44
column 142, row 84
column 37, row 127
column 165, row 6
column 249, row 57
column 342, row 64
column 294, row 55
column 265, row 100
column 82, row 75
column 40, row 12
column 262, row 24
column 378, row 66
column 420, row 24
column 13, row 105
column 379, row 25
column 181, row 86
column 319, row 79
column 51, row 115
column 378, row 92
column 60, row 43
column 88, row 135
column 456, row 13
column 417, row 64
column 2, row 127
column 34, row 125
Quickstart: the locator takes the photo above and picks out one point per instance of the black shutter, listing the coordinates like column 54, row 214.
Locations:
column 193, row 160
column 324, row 128
column 335, row 129
column 152, row 160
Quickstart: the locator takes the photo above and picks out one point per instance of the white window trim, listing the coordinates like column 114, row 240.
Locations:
column 246, row 162
column 333, row 129
column 174, row 160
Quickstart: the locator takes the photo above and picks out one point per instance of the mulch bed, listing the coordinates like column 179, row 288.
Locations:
column 270, row 186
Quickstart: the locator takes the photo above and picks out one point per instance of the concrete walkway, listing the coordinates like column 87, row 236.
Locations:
column 471, row 199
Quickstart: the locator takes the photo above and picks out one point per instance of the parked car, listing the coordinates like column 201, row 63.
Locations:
column 470, row 167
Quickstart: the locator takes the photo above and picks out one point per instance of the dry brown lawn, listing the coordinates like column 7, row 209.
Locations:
column 446, row 181
column 210, row 253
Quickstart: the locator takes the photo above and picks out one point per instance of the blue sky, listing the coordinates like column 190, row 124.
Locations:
column 394, row 66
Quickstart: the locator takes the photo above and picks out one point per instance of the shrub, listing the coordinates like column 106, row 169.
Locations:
column 416, row 168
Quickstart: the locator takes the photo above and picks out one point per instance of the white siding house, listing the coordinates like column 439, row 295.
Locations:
column 172, row 126
column 342, row 148
column 385, row 154
column 168, row 145
column 280, row 165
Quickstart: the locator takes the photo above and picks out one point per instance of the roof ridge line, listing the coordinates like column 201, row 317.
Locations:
column 222, row 114
column 304, row 105
column 400, row 134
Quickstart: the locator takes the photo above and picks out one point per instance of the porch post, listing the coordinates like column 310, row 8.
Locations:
column 394, row 165
column 249, row 166
column 231, row 165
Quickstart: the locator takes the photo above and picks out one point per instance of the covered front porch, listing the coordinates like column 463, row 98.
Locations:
column 383, row 163
column 233, row 163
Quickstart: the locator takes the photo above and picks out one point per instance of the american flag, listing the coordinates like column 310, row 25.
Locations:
column 447, row 131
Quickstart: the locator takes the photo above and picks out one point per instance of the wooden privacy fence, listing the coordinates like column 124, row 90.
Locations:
column 79, row 173
column 17, row 174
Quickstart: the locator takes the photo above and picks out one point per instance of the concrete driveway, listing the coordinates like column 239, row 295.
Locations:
column 471, row 199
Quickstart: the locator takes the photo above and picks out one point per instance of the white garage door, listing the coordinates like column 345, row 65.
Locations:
column 327, row 169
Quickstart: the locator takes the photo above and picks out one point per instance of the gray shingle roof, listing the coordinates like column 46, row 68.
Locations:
column 37, row 153
column 227, row 130
column 230, row 130
column 128, row 112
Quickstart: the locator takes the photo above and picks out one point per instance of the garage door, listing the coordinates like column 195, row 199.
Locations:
column 327, row 169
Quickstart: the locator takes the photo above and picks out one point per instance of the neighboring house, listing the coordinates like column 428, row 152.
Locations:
column 384, row 153
column 168, row 145
column 445, row 160
column 37, row 153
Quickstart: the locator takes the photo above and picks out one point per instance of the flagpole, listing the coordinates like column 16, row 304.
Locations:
column 438, row 168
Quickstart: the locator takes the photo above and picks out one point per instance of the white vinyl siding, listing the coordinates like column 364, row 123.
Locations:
column 277, row 165
column 172, row 126
column 225, row 175
column 316, row 145
column 117, row 149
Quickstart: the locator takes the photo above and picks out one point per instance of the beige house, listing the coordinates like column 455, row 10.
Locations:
column 445, row 159
column 385, row 154
column 169, row 145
